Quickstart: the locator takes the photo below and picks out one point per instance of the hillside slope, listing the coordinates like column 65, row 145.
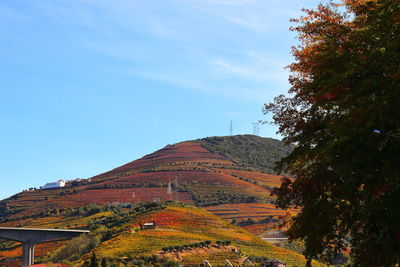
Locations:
column 185, row 225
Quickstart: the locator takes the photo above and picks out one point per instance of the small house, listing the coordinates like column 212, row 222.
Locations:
column 148, row 225
column 58, row 184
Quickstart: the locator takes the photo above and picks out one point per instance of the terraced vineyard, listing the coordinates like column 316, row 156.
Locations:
column 263, row 179
column 178, row 226
column 214, row 258
column 245, row 211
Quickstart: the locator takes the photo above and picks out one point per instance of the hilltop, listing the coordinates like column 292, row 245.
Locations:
column 248, row 151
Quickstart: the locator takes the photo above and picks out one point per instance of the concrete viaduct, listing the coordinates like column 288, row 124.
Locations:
column 31, row 236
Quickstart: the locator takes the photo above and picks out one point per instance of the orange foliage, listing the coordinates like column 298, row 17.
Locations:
column 185, row 151
column 262, row 178
column 41, row 249
column 255, row 229
column 244, row 211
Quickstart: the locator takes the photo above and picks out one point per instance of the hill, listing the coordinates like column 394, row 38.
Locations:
column 204, row 172
column 223, row 174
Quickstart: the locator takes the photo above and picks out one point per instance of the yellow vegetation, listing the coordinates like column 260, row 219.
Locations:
column 177, row 226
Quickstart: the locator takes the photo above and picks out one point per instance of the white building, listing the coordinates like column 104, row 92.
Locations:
column 58, row 184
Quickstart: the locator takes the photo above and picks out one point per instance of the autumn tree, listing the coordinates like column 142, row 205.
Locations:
column 93, row 260
column 104, row 262
column 343, row 115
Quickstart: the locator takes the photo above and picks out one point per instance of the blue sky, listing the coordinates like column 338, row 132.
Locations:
column 88, row 85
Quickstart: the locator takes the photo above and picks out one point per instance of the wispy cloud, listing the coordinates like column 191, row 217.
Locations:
column 194, row 82
column 180, row 80
column 232, row 68
column 257, row 69
column 254, row 15
column 253, row 24
column 215, row 46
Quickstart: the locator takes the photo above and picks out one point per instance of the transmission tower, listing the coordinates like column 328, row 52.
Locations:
column 256, row 128
column 169, row 191
column 176, row 188
column 231, row 128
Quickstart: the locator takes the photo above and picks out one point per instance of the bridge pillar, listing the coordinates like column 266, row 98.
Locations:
column 28, row 254
column 30, row 236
